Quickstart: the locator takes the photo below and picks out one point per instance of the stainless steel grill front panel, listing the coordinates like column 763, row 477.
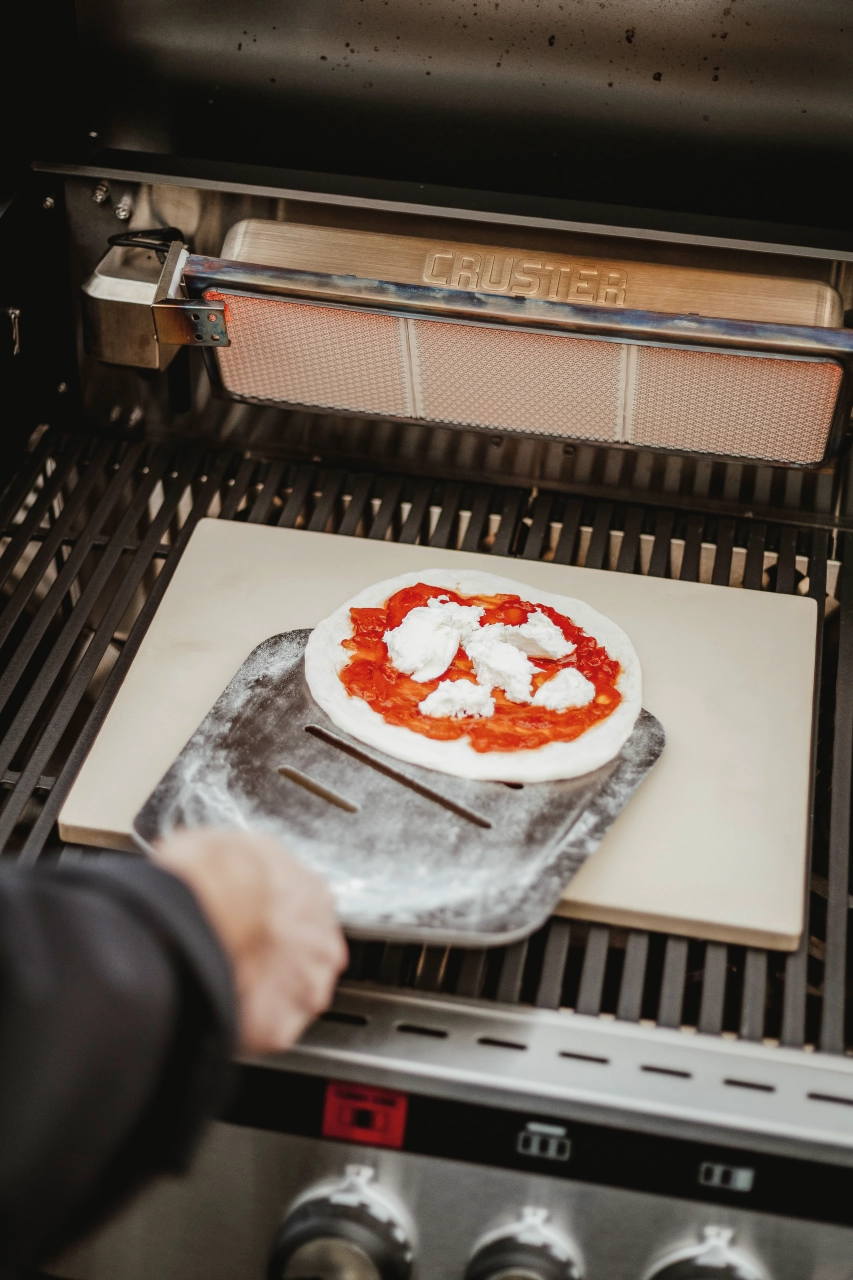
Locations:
column 221, row 1220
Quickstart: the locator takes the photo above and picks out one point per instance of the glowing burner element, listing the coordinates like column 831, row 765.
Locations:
column 475, row 374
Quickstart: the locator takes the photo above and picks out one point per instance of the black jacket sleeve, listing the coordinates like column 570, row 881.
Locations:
column 117, row 1026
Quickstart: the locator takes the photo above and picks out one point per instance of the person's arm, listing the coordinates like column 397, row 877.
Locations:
column 121, row 993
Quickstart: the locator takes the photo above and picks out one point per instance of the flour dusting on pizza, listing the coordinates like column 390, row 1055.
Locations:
column 477, row 676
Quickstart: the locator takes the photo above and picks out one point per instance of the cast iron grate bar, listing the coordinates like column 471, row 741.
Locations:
column 672, row 983
column 237, row 489
column 413, row 525
column 512, row 973
column 514, row 503
column 599, row 539
column 354, row 513
column 383, row 523
column 477, row 521
column 443, row 531
column 296, row 498
column 264, row 502
column 630, row 547
column 662, row 546
column 88, row 520
column 692, row 549
column 754, row 567
column 592, row 974
column 713, row 988
column 754, row 995
column 550, row 989
column 332, row 487
column 540, row 519
column 630, row 1003
column 565, row 549
column 723, row 558
column 471, row 973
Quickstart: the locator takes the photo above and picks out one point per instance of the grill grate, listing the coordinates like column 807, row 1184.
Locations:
column 91, row 531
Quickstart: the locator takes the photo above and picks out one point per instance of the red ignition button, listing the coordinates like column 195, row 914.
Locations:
column 360, row 1113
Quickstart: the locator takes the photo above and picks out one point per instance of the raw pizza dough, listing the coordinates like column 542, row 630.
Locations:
column 325, row 657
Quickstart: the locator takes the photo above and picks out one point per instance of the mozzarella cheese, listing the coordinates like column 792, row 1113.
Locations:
column 458, row 698
column 500, row 665
column 538, row 636
column 427, row 640
column 568, row 688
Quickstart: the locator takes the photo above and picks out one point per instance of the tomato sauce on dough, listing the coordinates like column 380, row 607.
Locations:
column 370, row 675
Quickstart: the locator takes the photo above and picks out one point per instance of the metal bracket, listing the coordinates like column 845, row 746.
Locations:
column 185, row 322
column 190, row 322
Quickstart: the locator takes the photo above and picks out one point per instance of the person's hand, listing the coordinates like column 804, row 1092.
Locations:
column 276, row 920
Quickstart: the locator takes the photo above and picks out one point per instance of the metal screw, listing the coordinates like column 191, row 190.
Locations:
column 62, row 388
column 124, row 209
column 101, row 194
column 93, row 133
column 568, row 450
column 48, row 202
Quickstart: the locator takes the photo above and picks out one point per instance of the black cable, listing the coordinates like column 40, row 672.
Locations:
column 156, row 238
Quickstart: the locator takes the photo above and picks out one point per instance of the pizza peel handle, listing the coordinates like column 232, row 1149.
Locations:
column 410, row 854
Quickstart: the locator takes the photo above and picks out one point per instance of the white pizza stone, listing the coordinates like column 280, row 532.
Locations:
column 325, row 658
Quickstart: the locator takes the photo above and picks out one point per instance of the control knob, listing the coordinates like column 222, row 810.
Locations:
column 528, row 1249
column 713, row 1258
column 347, row 1228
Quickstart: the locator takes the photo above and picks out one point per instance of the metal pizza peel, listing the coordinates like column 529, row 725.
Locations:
column 410, row 854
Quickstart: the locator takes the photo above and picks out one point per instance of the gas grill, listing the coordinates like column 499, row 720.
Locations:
column 594, row 1100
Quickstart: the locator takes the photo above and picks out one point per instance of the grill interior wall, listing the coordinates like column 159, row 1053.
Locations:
column 92, row 529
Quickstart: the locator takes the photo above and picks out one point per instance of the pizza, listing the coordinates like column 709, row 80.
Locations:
column 477, row 676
